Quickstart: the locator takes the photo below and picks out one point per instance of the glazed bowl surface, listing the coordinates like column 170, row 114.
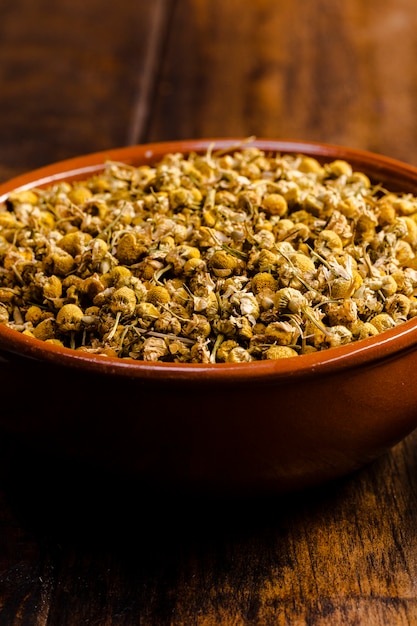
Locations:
column 265, row 426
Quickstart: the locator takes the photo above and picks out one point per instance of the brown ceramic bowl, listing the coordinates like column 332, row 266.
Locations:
column 268, row 426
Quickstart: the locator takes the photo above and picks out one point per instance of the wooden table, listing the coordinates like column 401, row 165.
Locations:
column 78, row 547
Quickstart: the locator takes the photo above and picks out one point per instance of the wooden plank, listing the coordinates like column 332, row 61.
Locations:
column 97, row 550
column 75, row 77
column 327, row 71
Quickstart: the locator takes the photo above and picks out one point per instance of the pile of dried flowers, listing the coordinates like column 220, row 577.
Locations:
column 216, row 257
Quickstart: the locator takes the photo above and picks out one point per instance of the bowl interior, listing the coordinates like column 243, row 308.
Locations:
column 394, row 175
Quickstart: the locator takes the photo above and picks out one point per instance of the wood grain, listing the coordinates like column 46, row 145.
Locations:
column 97, row 551
column 81, row 547
column 76, row 77
column 326, row 72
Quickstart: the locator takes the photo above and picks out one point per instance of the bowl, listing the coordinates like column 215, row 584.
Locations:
column 268, row 426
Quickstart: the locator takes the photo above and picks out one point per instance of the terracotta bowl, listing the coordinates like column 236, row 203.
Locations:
column 266, row 426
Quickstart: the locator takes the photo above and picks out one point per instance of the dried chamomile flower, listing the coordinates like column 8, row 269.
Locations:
column 122, row 304
column 339, row 168
column 290, row 299
column 239, row 355
column 382, row 321
column 198, row 327
column 280, row 352
column 344, row 312
column 52, row 287
column 223, row 352
column 328, row 243
column 69, row 318
column 74, row 243
column 263, row 281
column 154, row 349
column 222, row 263
column 158, row 295
column 398, row 306
column 4, row 314
column 280, row 333
column 274, row 204
column 45, row 329
column 26, row 196
column 59, row 262
column 228, row 256
column 338, row 335
column 33, row 315
column 363, row 330
column 129, row 250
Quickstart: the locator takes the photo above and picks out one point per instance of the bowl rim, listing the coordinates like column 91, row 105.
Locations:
column 387, row 345
column 88, row 163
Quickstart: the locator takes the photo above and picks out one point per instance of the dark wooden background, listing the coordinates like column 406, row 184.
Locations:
column 81, row 548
